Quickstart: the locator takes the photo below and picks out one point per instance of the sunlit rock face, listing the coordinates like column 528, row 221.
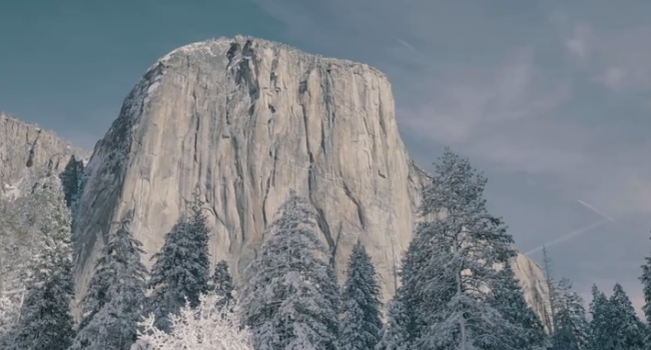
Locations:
column 241, row 122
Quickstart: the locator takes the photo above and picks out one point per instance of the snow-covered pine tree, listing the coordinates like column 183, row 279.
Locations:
column 222, row 285
column 21, row 221
column 646, row 283
column 182, row 268
column 11, row 270
column 452, row 261
column 360, row 321
column 627, row 332
column 406, row 312
column 203, row 327
column 290, row 296
column 116, row 294
column 601, row 325
column 395, row 333
column 46, row 322
column 508, row 300
column 645, row 278
column 570, row 324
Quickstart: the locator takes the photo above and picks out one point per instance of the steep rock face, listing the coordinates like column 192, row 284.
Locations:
column 242, row 121
column 534, row 285
column 27, row 152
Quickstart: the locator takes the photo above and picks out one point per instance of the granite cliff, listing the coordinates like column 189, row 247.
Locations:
column 241, row 121
column 28, row 153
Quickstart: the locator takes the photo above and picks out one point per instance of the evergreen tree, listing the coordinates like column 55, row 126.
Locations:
column 646, row 283
column 222, row 285
column 182, row 268
column 21, row 225
column 509, row 301
column 116, row 294
column 361, row 322
column 395, row 334
column 46, row 322
column 290, row 297
column 570, row 324
column 627, row 332
column 71, row 178
column 451, row 260
column 601, row 325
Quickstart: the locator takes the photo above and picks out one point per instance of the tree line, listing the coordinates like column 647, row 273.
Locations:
column 457, row 288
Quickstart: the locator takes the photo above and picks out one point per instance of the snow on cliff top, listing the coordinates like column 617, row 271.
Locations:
column 208, row 47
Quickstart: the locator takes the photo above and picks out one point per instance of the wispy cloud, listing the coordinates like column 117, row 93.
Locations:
column 515, row 118
column 619, row 59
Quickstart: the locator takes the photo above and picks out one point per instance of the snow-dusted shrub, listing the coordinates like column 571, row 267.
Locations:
column 205, row 327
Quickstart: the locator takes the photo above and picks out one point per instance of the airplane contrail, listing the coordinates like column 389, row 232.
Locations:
column 595, row 210
column 408, row 46
column 570, row 235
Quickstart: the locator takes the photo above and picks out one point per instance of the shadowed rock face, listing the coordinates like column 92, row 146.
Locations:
column 243, row 121
column 27, row 152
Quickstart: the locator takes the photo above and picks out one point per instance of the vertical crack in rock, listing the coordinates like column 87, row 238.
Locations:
column 196, row 117
column 32, row 146
column 358, row 205
column 239, row 188
column 323, row 140
column 383, row 125
column 273, row 78
column 311, row 181
column 247, row 70
column 265, row 221
column 275, row 167
column 232, row 53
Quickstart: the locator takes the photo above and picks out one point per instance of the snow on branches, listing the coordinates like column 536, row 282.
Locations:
column 205, row 327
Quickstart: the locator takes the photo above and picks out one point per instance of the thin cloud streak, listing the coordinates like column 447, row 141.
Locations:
column 595, row 210
column 569, row 236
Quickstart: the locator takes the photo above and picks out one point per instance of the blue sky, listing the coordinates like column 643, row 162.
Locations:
column 551, row 98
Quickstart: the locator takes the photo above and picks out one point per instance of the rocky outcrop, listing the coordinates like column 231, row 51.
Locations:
column 534, row 285
column 242, row 121
column 28, row 152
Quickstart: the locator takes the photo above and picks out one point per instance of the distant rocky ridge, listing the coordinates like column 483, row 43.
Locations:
column 242, row 121
column 28, row 152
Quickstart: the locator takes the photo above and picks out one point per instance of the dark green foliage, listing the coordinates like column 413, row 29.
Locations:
column 570, row 324
column 614, row 324
column 222, row 285
column 509, row 301
column 361, row 320
column 182, row 268
column 397, row 331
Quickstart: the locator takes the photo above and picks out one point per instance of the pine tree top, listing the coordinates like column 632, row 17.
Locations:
column 290, row 297
column 360, row 320
column 645, row 278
